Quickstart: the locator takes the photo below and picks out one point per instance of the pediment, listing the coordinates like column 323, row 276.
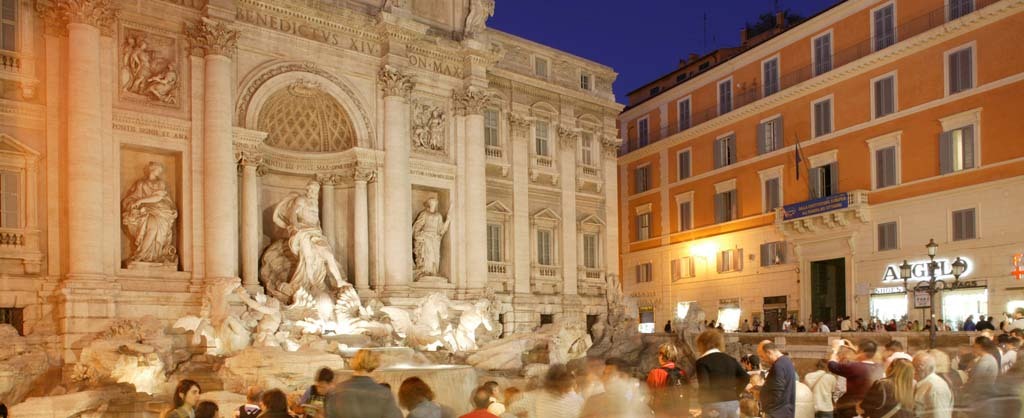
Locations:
column 497, row 207
column 11, row 145
column 591, row 219
column 546, row 214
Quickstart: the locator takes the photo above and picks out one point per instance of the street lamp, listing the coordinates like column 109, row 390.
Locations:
column 933, row 285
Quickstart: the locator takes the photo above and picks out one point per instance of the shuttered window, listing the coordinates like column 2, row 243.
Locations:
column 545, row 248
column 491, row 128
column 769, row 136
column 685, row 216
column 10, row 198
column 643, row 226
column 8, row 25
column 587, row 149
column 885, row 96
column 724, row 97
column 770, row 72
column 823, row 54
column 541, row 136
column 643, row 134
column 823, row 117
column 644, row 273
column 585, row 82
column 964, row 224
column 885, row 167
column 590, row 251
column 884, row 27
column 773, row 253
column 683, row 164
column 725, row 151
column 957, row 150
column 642, row 175
column 540, row 67
column 682, row 268
column 495, row 238
column 730, row 260
column 823, row 181
column 887, row 236
column 684, row 114
column 961, row 70
column 725, row 206
column 960, row 8
column 772, row 195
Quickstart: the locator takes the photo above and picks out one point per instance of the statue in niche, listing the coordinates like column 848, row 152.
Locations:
column 476, row 21
column 428, row 128
column 427, row 231
column 149, row 70
column 148, row 215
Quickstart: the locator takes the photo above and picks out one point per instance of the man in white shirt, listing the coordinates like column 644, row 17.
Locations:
column 823, row 327
column 823, row 386
column 1009, row 356
column 846, row 325
column 787, row 325
column 1017, row 322
column 932, row 397
column 496, row 408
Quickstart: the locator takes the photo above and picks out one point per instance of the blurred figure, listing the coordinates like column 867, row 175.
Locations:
column 251, row 409
column 891, row 348
column 1010, row 352
column 667, row 383
column 860, row 374
column 360, row 396
column 823, row 386
column 778, row 394
column 274, row 404
column 932, row 395
column 1009, row 390
column 481, row 400
column 496, row 408
column 207, row 409
column 985, row 324
column 511, row 396
column 555, row 399
column 621, row 398
column 312, row 401
column 969, row 324
column 720, row 378
column 893, row 396
column 415, row 396
column 186, row 397
column 590, row 383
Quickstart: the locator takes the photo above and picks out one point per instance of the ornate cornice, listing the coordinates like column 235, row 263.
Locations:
column 519, row 125
column 59, row 13
column 394, row 83
column 212, row 38
column 329, row 179
column 471, row 101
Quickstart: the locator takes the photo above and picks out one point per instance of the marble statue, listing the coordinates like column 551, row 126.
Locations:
column 479, row 12
column 225, row 334
column 473, row 316
column 427, row 231
column 148, row 215
column 268, row 313
column 162, row 86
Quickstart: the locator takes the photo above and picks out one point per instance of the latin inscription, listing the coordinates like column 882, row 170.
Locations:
column 195, row 4
column 308, row 31
column 147, row 130
column 436, row 66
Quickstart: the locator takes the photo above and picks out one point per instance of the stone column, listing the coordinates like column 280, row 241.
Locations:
column 220, row 203
column 471, row 103
column 361, row 227
column 248, row 164
column 520, row 147
column 328, row 211
column 609, row 154
column 568, row 141
column 397, row 188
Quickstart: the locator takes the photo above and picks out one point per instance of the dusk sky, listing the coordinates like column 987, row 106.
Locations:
column 640, row 39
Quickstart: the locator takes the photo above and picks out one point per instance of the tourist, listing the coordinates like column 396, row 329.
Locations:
column 823, row 327
column 251, row 408
column 823, row 386
column 860, row 374
column 274, row 404
column 511, row 396
column 778, row 394
column 667, row 381
column 1014, row 322
column 985, row 324
column 969, row 324
column 1011, row 353
column 313, row 399
column 360, row 396
column 496, row 408
column 720, row 378
column 892, row 396
column 746, row 326
column 1007, row 399
column 186, row 396
column 555, row 399
column 668, row 327
column 415, row 396
column 481, row 400
column 985, row 367
column 3, row 410
column 590, row 383
column 846, row 325
column 787, row 325
column 927, row 325
column 859, row 325
column 207, row 409
column 620, row 398
column 892, row 347
column 757, row 326
column 932, row 395
column 891, row 326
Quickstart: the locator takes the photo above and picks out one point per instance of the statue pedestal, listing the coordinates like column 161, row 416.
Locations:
column 142, row 265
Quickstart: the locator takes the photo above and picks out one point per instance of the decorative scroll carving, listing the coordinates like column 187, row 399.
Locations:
column 390, row 5
column 149, row 67
column 248, row 158
column 330, row 179
column 472, row 101
column 393, row 82
column 610, row 147
column 567, row 137
column 364, row 173
column 428, row 128
column 59, row 13
column 212, row 37
column 519, row 125
column 476, row 21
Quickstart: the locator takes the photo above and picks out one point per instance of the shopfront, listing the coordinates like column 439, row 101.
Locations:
column 888, row 303
column 729, row 313
column 965, row 299
column 647, row 325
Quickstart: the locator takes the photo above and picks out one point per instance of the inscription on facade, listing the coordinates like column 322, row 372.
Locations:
column 437, row 66
column 308, row 31
column 195, row 4
column 147, row 130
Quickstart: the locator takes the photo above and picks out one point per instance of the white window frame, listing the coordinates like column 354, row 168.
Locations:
column 899, row 234
column 778, row 75
column 501, row 242
column 831, row 52
column 597, row 249
column 590, row 81
column 650, row 273
column 547, row 139
column 17, row 28
column 768, row 174
column 678, row 171
column 729, row 186
column 974, row 8
column 891, row 139
column 680, row 199
column 636, row 190
column 715, row 143
column 689, row 272
column 547, row 67
column 831, row 114
column 587, row 151
column 545, row 219
column 497, row 126
column 973, row 46
column 644, row 209
column 640, row 141
column 689, row 115
column 782, row 131
column 895, row 94
column 977, row 223
column 959, row 120
column 895, row 23
column 718, row 95
column 822, row 159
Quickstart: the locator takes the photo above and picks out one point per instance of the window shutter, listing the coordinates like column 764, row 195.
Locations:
column 966, row 72
column 719, row 145
column 771, row 194
column 968, row 144
column 879, row 98
column 684, row 216
column 765, row 254
column 9, row 191
column 946, row 152
column 737, row 261
column 814, row 182
column 721, row 261
column 954, row 72
column 777, row 138
column 730, row 142
column 718, row 208
column 833, row 178
column 638, row 276
column 969, row 224
column 780, row 251
column 890, row 166
column 684, row 165
column 689, row 268
column 761, row 129
column 675, row 270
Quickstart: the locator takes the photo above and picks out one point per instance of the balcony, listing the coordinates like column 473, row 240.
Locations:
column 497, row 162
column 10, row 62
column 546, row 280
column 823, row 215
column 542, row 167
column 591, row 281
column 588, row 178
column 22, row 246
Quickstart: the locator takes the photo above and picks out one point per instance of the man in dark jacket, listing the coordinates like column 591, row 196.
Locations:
column 360, row 396
column 778, row 395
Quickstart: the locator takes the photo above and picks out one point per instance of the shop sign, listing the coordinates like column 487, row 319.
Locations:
column 815, row 206
column 922, row 299
column 968, row 284
column 729, row 303
column 888, row 290
column 919, row 270
column 1018, row 266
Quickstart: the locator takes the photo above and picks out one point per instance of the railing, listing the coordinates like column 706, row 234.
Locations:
column 590, row 273
column 12, row 238
column 747, row 93
column 10, row 61
column 543, row 161
column 493, row 152
column 497, row 268
column 547, row 271
column 587, row 170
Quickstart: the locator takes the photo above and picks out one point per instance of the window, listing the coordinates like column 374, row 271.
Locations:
column 587, row 148
column 884, row 96
column 547, row 319
column 643, row 226
column 956, row 150
column 541, row 136
column 769, row 135
column 724, row 97
column 725, row 206
column 822, row 117
column 773, row 253
column 680, row 78
column 540, row 67
column 495, row 238
column 961, row 70
column 10, row 199
column 8, row 25
column 887, row 238
column 585, row 81
column 683, row 164
column 883, row 26
column 590, row 251
column 704, row 65
column 823, row 180
column 545, row 247
column 685, row 216
column 822, row 54
column 886, row 167
column 964, row 224
column 491, row 128
column 730, row 260
column 682, row 268
column 14, row 317
column 642, row 132
column 725, row 151
column 956, row 8
column 642, row 175
column 644, row 273
column 772, row 195
column 684, row 114
column 655, row 90
column 770, row 73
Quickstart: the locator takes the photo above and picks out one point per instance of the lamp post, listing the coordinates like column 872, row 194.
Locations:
column 933, row 285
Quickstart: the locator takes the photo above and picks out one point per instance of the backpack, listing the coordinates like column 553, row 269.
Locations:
column 672, row 399
column 242, row 413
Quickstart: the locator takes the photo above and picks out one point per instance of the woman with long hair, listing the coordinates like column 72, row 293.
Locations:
column 416, row 397
column 186, row 397
column 893, row 396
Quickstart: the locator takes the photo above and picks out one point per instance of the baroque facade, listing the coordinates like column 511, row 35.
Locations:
column 144, row 147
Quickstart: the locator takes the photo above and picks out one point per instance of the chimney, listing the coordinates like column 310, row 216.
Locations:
column 743, row 35
column 780, row 20
column 693, row 57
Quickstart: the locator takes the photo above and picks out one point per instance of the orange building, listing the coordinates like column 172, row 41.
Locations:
column 793, row 178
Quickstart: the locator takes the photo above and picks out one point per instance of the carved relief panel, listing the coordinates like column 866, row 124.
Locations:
column 429, row 130
column 149, row 67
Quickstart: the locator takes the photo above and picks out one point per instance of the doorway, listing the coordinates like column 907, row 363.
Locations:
column 774, row 313
column 828, row 289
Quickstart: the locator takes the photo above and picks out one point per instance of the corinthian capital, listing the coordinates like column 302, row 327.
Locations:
column 59, row 13
column 364, row 173
column 519, row 125
column 471, row 101
column 248, row 157
column 567, row 137
column 393, row 82
column 610, row 147
column 212, row 37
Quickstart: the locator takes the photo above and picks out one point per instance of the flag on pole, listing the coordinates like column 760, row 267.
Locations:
column 797, row 157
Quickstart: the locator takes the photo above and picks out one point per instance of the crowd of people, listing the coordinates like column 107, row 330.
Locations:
column 845, row 324
column 982, row 380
